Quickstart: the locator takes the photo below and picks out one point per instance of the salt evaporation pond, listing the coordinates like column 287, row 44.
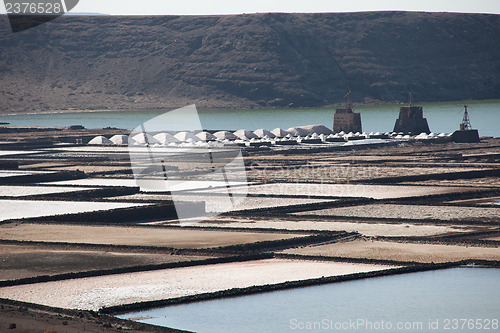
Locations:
column 21, row 191
column 16, row 173
column 432, row 301
column 18, row 209
column 339, row 190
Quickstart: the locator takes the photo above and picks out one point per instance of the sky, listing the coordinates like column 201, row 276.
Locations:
column 204, row 7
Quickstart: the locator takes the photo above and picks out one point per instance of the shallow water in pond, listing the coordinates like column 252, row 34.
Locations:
column 457, row 300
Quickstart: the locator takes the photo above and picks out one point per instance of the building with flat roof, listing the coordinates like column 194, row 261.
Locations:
column 411, row 120
column 346, row 120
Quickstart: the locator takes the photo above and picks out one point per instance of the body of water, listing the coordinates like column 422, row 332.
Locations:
column 457, row 300
column 443, row 117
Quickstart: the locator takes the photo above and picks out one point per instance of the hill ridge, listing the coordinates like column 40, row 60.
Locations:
column 248, row 61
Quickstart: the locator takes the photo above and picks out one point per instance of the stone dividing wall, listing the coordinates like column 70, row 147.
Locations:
column 41, row 178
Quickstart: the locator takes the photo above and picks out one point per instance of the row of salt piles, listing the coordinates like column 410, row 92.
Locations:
column 311, row 133
column 304, row 133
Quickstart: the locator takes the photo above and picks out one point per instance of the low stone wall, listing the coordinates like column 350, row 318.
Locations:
column 41, row 178
column 93, row 194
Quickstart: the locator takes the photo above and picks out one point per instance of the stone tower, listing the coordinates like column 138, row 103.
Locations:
column 346, row 120
column 411, row 120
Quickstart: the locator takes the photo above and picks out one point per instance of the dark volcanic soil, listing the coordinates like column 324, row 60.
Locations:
column 28, row 318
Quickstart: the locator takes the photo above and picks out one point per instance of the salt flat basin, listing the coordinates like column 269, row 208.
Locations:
column 17, row 152
column 411, row 212
column 252, row 202
column 246, row 203
column 17, row 209
column 15, row 173
column 349, row 190
column 385, row 250
column 22, row 191
column 174, row 186
column 135, row 236
column 96, row 292
column 367, row 229
column 482, row 201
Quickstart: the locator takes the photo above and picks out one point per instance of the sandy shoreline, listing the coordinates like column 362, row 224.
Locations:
column 170, row 108
column 76, row 111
